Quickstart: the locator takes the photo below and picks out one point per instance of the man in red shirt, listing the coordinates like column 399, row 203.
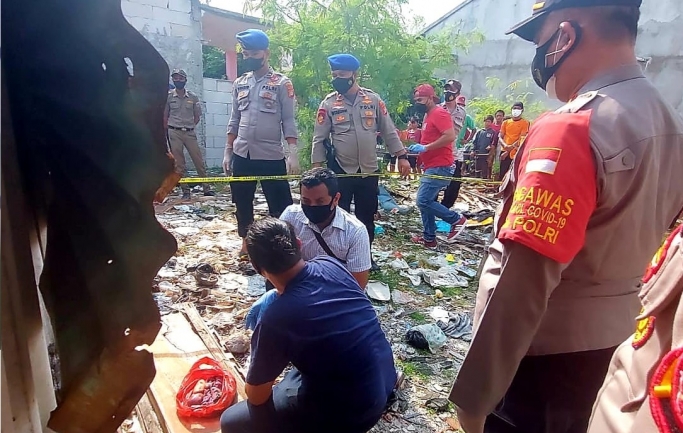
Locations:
column 436, row 155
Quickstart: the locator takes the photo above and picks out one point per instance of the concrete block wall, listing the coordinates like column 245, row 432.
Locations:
column 174, row 28
column 217, row 103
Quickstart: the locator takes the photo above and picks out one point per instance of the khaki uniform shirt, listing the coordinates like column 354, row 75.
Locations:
column 458, row 115
column 633, row 387
column 591, row 192
column 262, row 112
column 353, row 127
column 182, row 109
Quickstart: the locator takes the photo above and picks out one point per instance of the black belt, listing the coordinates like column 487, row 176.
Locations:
column 180, row 129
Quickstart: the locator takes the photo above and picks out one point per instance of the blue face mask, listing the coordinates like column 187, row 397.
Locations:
column 179, row 84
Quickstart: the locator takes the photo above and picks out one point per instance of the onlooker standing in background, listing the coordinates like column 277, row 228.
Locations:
column 412, row 136
column 512, row 134
column 458, row 114
column 484, row 139
column 181, row 114
column 498, row 120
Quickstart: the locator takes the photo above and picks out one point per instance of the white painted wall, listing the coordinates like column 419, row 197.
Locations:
column 217, row 103
column 508, row 57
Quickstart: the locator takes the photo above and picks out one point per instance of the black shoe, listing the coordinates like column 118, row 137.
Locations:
column 209, row 194
column 374, row 266
column 186, row 195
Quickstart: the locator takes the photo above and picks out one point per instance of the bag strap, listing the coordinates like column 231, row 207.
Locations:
column 326, row 247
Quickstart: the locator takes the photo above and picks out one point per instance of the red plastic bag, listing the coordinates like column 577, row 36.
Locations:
column 215, row 399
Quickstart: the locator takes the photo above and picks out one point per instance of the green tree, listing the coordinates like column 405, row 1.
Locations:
column 214, row 62
column 502, row 99
column 305, row 32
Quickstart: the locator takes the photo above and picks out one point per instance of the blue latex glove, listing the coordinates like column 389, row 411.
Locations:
column 256, row 311
column 417, row 148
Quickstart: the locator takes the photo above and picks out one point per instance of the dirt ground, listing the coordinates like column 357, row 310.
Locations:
column 205, row 229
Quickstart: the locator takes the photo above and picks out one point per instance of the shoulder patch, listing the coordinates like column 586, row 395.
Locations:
column 321, row 116
column 577, row 103
column 383, row 107
column 644, row 329
column 666, row 393
column 659, row 257
column 290, row 88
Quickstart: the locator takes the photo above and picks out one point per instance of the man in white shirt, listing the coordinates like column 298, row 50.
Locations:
column 323, row 228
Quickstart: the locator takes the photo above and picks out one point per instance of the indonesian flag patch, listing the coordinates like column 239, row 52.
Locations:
column 543, row 160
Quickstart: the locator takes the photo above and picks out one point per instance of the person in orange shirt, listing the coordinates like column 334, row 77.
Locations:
column 512, row 134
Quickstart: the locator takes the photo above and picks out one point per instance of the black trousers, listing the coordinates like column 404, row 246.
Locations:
column 481, row 166
column 504, row 167
column 278, row 195
column 287, row 412
column 552, row 393
column 453, row 188
column 363, row 192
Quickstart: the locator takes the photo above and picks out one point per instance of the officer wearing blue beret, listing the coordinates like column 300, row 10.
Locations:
column 263, row 106
column 351, row 117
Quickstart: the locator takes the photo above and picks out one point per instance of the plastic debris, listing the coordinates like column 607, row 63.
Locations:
column 425, row 337
column 399, row 297
column 414, row 277
column 468, row 272
column 379, row 230
column 446, row 276
column 186, row 231
column 442, row 227
column 378, row 291
column 399, row 264
column 458, row 326
column 439, row 314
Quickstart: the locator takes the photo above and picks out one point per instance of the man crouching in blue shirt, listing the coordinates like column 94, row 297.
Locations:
column 326, row 327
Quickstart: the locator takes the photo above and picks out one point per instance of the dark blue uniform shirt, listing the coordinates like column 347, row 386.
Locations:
column 326, row 327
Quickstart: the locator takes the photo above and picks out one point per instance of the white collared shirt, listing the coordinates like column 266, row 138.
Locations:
column 346, row 236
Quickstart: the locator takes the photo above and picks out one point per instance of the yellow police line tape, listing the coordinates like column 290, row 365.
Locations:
column 296, row 177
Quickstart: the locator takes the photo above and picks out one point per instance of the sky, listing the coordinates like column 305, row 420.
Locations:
column 417, row 7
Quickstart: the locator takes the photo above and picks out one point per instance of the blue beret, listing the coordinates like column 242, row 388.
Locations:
column 253, row 39
column 343, row 62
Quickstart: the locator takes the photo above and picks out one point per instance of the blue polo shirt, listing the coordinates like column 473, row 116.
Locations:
column 326, row 327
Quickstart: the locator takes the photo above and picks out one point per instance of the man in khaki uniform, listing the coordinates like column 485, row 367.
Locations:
column 181, row 115
column 643, row 391
column 591, row 192
column 352, row 116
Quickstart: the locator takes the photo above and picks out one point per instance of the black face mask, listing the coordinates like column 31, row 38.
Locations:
column 449, row 95
column 342, row 85
column 253, row 64
column 542, row 73
column 420, row 109
column 318, row 214
column 179, row 84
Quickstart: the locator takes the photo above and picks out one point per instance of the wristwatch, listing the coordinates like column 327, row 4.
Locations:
column 404, row 156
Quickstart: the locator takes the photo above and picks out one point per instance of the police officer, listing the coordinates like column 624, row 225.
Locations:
column 638, row 396
column 591, row 192
column 352, row 116
column 182, row 113
column 451, row 92
column 262, row 112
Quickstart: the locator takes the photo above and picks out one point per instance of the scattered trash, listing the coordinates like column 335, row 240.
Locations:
column 186, row 231
column 223, row 321
column 438, row 294
column 378, row 291
column 425, row 337
column 256, row 285
column 457, row 326
column 399, row 297
column 379, row 230
column 205, row 275
column 439, row 314
column 399, row 264
column 167, row 287
column 468, row 272
column 446, row 276
column 442, row 227
column 438, row 404
column 415, row 278
column 237, row 343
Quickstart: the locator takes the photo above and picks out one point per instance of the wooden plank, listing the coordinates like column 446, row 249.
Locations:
column 175, row 349
column 226, row 359
column 146, row 415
